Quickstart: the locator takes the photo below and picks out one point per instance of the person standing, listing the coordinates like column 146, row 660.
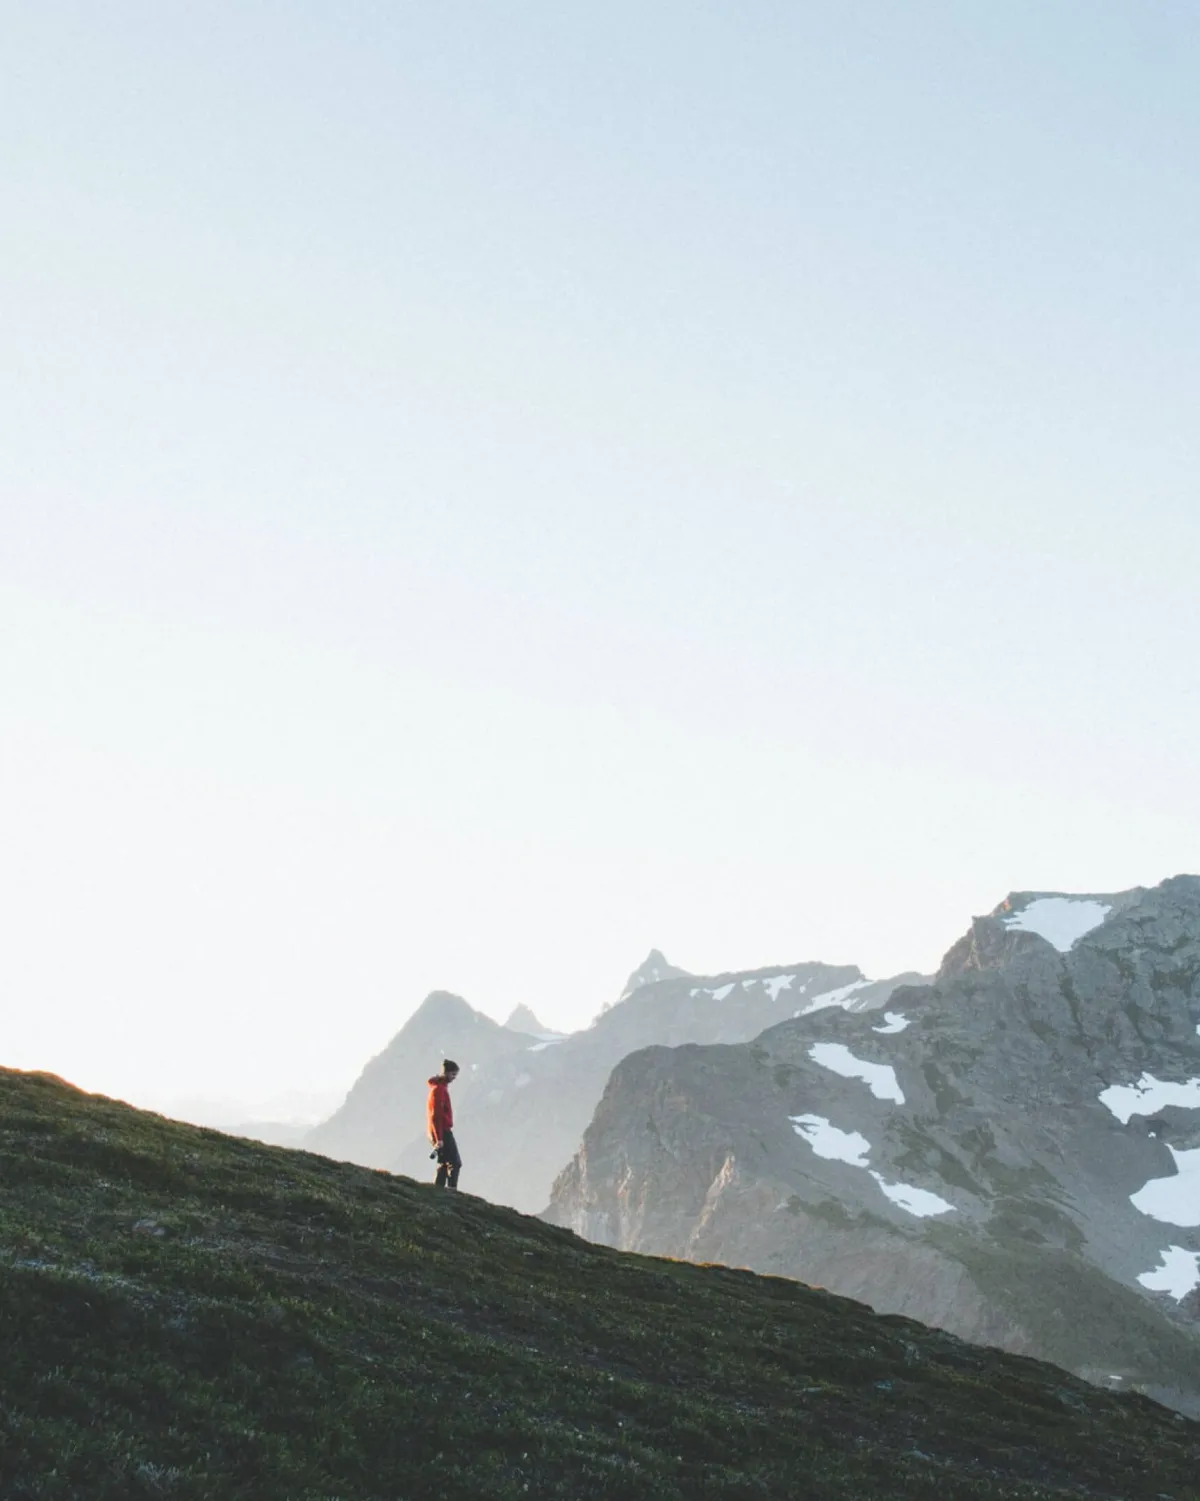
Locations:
column 440, row 1115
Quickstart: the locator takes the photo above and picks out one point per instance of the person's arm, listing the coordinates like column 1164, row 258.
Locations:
column 437, row 1117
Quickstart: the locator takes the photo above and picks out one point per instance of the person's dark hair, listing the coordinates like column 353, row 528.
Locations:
column 449, row 1066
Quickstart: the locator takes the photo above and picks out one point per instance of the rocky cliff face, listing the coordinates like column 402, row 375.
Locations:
column 1012, row 1152
column 524, row 1100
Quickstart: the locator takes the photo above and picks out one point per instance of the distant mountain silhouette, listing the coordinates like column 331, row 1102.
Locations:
column 385, row 1110
column 523, row 1020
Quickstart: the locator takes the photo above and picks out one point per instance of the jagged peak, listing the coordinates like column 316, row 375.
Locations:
column 442, row 1009
column 524, row 1020
column 653, row 968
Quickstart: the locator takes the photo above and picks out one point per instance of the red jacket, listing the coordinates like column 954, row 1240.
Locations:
column 439, row 1113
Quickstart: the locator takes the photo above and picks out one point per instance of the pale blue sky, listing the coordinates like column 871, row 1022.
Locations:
column 487, row 489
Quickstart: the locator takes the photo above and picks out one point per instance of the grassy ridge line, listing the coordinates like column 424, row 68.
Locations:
column 185, row 1314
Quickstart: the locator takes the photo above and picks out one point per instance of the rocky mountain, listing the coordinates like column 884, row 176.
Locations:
column 384, row 1113
column 653, row 968
column 523, row 1020
column 1011, row 1152
column 524, row 1099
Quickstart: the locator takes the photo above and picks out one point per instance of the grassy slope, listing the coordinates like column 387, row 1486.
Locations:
column 184, row 1314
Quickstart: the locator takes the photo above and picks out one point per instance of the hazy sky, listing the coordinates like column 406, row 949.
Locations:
column 485, row 489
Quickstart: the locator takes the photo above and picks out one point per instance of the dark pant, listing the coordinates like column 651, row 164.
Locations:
column 449, row 1162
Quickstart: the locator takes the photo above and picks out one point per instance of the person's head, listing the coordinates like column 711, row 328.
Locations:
column 449, row 1070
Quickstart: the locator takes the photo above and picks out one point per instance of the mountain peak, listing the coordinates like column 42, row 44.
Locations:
column 1059, row 918
column 523, row 1020
column 445, row 1006
column 1057, row 1049
column 443, row 1016
column 654, row 967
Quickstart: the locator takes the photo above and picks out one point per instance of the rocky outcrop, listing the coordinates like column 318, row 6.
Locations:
column 1011, row 1152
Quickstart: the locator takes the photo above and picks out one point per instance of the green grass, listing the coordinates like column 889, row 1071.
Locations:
column 184, row 1314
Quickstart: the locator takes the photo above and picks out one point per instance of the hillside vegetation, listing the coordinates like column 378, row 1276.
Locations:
column 184, row 1314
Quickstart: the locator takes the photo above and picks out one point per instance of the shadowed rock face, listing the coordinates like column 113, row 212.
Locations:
column 523, row 1100
column 954, row 1162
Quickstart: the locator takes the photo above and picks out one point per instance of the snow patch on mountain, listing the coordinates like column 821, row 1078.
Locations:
column 894, row 1021
column 918, row 1201
column 1060, row 920
column 827, row 1141
column 721, row 992
column 880, row 1078
column 837, row 997
column 1174, row 1200
column 1178, row 1275
column 1149, row 1095
column 548, row 1041
column 853, row 1147
column 778, row 983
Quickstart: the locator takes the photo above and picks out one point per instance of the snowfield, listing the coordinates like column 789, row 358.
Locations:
column 1148, row 1095
column 853, row 1147
column 1060, row 920
column 1179, row 1273
column 827, row 1141
column 893, row 1021
column 1174, row 1200
column 837, row 997
column 918, row 1201
column 880, row 1078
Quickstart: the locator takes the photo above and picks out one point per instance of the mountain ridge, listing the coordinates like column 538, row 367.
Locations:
column 514, row 1150
column 979, row 1128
